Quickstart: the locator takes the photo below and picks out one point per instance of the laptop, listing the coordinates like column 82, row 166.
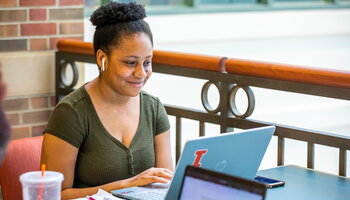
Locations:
column 201, row 183
column 236, row 153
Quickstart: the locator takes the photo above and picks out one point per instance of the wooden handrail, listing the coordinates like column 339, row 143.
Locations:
column 211, row 63
column 196, row 61
column 326, row 77
column 75, row 46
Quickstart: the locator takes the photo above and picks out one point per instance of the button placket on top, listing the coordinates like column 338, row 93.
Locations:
column 130, row 162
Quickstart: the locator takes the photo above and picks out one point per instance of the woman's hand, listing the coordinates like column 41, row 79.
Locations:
column 152, row 175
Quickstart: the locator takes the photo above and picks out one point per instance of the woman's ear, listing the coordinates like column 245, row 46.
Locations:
column 101, row 59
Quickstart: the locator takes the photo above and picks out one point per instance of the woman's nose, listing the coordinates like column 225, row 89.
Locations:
column 140, row 71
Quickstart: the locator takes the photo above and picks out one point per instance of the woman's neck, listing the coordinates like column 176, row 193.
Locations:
column 101, row 92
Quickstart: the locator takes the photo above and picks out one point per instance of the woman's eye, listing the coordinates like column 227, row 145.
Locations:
column 147, row 63
column 130, row 62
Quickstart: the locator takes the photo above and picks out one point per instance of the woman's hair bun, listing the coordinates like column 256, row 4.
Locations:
column 115, row 12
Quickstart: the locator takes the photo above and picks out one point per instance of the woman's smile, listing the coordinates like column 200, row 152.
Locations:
column 137, row 84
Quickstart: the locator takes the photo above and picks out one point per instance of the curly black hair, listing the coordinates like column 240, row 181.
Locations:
column 116, row 19
column 115, row 12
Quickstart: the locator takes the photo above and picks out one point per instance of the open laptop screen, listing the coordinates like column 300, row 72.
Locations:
column 203, row 184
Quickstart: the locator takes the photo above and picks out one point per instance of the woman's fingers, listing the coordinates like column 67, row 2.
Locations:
column 164, row 174
column 157, row 179
column 169, row 171
column 153, row 175
column 160, row 175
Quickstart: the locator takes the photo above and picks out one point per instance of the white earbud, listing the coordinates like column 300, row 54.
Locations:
column 103, row 65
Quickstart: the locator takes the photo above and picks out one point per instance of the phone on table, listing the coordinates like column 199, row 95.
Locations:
column 269, row 182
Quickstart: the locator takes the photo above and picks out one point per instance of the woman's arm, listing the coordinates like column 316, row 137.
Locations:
column 58, row 155
column 163, row 151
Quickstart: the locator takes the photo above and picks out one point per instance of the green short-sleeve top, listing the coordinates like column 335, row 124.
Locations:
column 102, row 158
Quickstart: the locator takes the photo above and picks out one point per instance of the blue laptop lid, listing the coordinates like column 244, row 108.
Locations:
column 236, row 153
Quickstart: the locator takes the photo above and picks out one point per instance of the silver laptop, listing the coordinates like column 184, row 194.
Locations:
column 200, row 183
column 237, row 153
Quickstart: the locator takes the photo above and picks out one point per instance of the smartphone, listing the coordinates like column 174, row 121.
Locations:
column 269, row 182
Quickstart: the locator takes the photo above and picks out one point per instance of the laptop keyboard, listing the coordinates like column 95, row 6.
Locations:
column 154, row 194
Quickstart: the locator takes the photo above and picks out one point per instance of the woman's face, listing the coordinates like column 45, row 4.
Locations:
column 129, row 65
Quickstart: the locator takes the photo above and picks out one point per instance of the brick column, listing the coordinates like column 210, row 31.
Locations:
column 29, row 31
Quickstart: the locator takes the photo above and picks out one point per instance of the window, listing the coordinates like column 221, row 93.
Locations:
column 151, row 2
column 203, row 6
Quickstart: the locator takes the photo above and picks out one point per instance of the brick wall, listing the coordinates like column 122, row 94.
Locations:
column 29, row 31
column 31, row 25
column 28, row 115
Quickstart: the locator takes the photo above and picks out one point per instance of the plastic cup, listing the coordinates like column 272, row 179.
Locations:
column 38, row 187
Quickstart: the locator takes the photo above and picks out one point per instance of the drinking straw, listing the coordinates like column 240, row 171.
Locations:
column 43, row 168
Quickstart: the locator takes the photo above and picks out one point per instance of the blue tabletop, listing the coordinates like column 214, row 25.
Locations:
column 303, row 183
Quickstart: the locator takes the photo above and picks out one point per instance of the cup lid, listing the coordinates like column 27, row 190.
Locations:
column 35, row 177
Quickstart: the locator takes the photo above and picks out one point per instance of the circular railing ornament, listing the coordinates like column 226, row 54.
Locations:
column 204, row 97
column 251, row 101
column 63, row 76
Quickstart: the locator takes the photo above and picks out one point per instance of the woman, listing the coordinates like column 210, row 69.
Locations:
column 109, row 134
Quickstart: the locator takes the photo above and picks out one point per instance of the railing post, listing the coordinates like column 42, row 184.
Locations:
column 225, row 107
column 342, row 162
column 57, row 76
column 201, row 128
column 178, row 138
column 280, row 151
column 310, row 155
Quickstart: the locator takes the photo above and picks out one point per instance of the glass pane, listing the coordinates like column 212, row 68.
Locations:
column 216, row 1
column 91, row 3
column 225, row 1
column 162, row 2
column 154, row 2
column 298, row 0
column 125, row 1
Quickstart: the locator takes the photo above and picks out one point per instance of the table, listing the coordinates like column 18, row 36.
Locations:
column 306, row 184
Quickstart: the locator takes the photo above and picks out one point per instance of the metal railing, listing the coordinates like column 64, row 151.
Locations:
column 229, row 76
